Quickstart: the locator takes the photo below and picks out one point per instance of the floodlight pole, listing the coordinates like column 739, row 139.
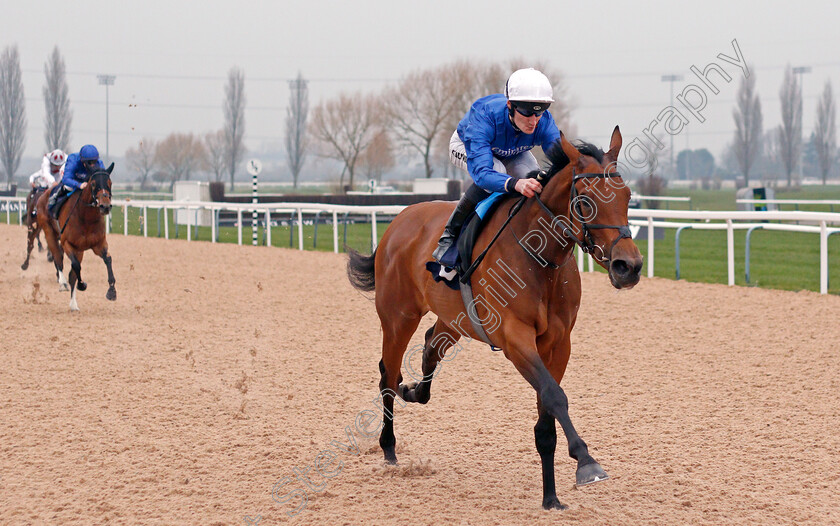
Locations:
column 672, row 79
column 106, row 80
column 799, row 71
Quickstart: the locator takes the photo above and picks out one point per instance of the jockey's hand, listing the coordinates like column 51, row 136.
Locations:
column 528, row 187
column 83, row 186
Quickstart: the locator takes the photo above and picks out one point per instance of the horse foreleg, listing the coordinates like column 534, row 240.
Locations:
column 75, row 277
column 438, row 340
column 54, row 246
column 545, row 436
column 556, row 404
column 106, row 257
column 395, row 338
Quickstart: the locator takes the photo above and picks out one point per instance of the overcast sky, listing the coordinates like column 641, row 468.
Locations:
column 171, row 58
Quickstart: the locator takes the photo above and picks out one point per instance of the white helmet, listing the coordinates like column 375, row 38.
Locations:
column 57, row 157
column 529, row 85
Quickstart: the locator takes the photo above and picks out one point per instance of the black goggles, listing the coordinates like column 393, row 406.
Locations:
column 528, row 109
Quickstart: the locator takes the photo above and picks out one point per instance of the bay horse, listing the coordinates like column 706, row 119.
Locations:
column 31, row 224
column 584, row 201
column 80, row 227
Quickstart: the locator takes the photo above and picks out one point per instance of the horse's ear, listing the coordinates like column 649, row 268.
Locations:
column 571, row 152
column 615, row 145
column 110, row 169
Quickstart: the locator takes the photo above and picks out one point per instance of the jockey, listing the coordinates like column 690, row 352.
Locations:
column 493, row 143
column 76, row 172
column 52, row 165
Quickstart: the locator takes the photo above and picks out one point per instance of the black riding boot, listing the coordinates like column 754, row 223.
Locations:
column 56, row 195
column 465, row 207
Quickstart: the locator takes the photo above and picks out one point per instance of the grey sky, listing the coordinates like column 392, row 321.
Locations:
column 171, row 58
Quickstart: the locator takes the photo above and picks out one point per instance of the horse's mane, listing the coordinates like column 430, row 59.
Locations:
column 557, row 158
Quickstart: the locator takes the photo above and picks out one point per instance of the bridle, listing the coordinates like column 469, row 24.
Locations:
column 93, row 186
column 586, row 242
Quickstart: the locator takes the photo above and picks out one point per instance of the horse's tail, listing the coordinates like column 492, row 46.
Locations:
column 361, row 271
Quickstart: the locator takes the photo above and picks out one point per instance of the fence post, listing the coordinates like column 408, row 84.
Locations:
column 145, row 221
column 125, row 219
column 335, row 231
column 650, row 248
column 579, row 257
column 823, row 258
column 166, row 222
column 239, row 223
column 268, row 227
column 677, row 248
column 747, row 252
column 730, row 252
column 300, row 228
column 374, row 238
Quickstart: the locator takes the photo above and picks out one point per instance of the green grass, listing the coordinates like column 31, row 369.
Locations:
column 779, row 260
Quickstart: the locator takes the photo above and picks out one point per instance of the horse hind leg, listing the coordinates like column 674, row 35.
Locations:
column 439, row 338
column 30, row 235
column 394, row 342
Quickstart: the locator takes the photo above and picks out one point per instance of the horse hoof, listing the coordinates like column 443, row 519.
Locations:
column 24, row 266
column 82, row 286
column 390, row 456
column 111, row 294
column 552, row 503
column 590, row 474
column 49, row 257
column 63, row 287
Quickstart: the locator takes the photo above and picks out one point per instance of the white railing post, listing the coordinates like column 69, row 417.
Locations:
column 125, row 220
column 591, row 262
column 650, row 247
column 335, row 231
column 212, row 224
column 145, row 221
column 165, row 222
column 189, row 230
column 300, row 228
column 823, row 258
column 373, row 234
column 267, row 227
column 730, row 252
column 579, row 257
column 239, row 225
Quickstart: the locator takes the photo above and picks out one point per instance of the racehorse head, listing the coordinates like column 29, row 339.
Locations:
column 597, row 206
column 100, row 189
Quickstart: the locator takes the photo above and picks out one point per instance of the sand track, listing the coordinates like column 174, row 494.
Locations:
column 222, row 369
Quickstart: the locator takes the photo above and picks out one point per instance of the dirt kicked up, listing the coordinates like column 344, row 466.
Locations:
column 222, row 371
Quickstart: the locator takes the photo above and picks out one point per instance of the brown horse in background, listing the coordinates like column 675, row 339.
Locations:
column 527, row 291
column 32, row 224
column 80, row 227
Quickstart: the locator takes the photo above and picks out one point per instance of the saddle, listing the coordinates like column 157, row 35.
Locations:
column 459, row 255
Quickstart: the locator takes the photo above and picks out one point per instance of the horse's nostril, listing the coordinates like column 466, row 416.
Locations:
column 620, row 267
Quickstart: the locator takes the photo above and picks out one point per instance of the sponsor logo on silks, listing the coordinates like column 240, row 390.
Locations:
column 508, row 153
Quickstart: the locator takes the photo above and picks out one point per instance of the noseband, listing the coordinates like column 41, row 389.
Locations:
column 586, row 242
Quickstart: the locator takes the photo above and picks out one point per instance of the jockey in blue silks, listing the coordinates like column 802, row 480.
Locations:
column 79, row 167
column 493, row 143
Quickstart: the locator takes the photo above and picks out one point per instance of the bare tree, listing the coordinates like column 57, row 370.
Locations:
column 378, row 157
column 58, row 116
column 419, row 109
column 826, row 131
column 215, row 156
column 179, row 155
column 344, row 128
column 234, row 109
column 296, row 117
column 142, row 159
column 12, row 112
column 790, row 132
column 748, row 126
